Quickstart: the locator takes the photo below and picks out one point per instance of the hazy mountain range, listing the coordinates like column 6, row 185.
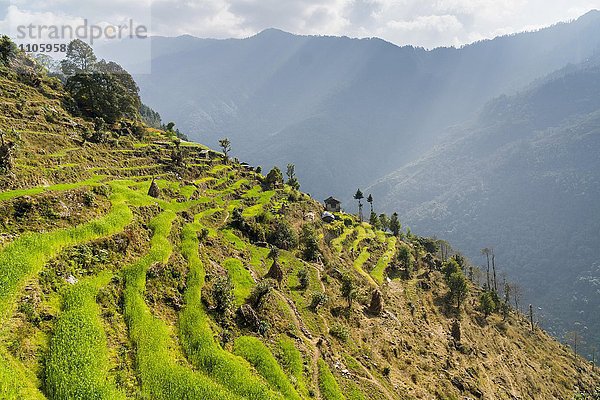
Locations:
column 493, row 144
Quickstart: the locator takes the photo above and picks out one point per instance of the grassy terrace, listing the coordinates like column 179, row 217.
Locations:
column 78, row 365
column 384, row 260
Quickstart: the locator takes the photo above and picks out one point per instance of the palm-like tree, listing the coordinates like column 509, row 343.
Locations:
column 370, row 201
column 487, row 252
column 359, row 196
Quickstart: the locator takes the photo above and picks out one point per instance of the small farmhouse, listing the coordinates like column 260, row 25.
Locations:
column 333, row 205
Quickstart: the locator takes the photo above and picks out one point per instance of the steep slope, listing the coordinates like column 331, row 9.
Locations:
column 285, row 98
column 107, row 292
column 522, row 178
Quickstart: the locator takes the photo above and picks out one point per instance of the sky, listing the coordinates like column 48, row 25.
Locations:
column 426, row 23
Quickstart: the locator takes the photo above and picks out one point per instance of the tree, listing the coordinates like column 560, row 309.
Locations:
column 318, row 300
column 406, row 259
column 370, row 201
column 310, row 243
column 274, row 178
column 450, row 267
column 170, row 126
column 486, row 303
column 283, row 236
column 494, row 272
column 458, row 287
column 225, row 144
column 303, row 279
column 487, row 252
column 374, row 221
column 102, row 95
column 359, row 196
column 101, row 89
column 291, row 174
column 80, row 58
column 384, row 222
column 8, row 50
column 259, row 294
column 348, row 289
column 574, row 338
column 395, row 225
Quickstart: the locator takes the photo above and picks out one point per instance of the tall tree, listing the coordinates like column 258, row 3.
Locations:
column 494, row 271
column 291, row 174
column 80, row 58
column 225, row 144
column 100, row 89
column 370, row 201
column 359, row 196
column 374, row 221
column 348, row 289
column 395, row 225
column 487, row 252
column 458, row 287
column 486, row 302
column 274, row 178
column 384, row 222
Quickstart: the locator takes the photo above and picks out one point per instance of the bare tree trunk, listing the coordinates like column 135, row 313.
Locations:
column 489, row 287
column 531, row 316
column 494, row 268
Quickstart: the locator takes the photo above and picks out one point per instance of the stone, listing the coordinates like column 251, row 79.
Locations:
column 154, row 190
column 376, row 305
column 248, row 316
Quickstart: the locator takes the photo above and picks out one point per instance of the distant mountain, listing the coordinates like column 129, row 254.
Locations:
column 345, row 111
column 523, row 177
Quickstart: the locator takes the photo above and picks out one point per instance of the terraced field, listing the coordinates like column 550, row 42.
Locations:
column 220, row 286
column 171, row 357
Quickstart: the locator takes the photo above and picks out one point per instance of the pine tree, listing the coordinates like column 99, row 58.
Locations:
column 359, row 196
column 395, row 225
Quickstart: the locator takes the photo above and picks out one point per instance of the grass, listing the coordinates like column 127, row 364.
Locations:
column 233, row 239
column 78, row 363
column 197, row 339
column 330, row 390
column 359, row 262
column 338, row 242
column 11, row 194
column 15, row 382
column 241, row 279
column 292, row 363
column 160, row 375
column 384, row 260
column 25, row 257
column 362, row 234
column 262, row 199
column 253, row 350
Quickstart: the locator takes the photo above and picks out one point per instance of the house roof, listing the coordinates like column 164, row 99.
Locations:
column 332, row 200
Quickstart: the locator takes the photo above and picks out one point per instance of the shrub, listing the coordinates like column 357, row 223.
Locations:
column 319, row 299
column 340, row 332
column 222, row 295
column 283, row 236
column 486, row 303
column 310, row 243
column 303, row 279
column 260, row 293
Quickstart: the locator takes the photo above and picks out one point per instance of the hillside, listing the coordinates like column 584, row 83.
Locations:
column 107, row 292
column 285, row 98
column 523, row 178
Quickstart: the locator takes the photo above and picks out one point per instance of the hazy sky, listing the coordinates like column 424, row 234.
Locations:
column 427, row 23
